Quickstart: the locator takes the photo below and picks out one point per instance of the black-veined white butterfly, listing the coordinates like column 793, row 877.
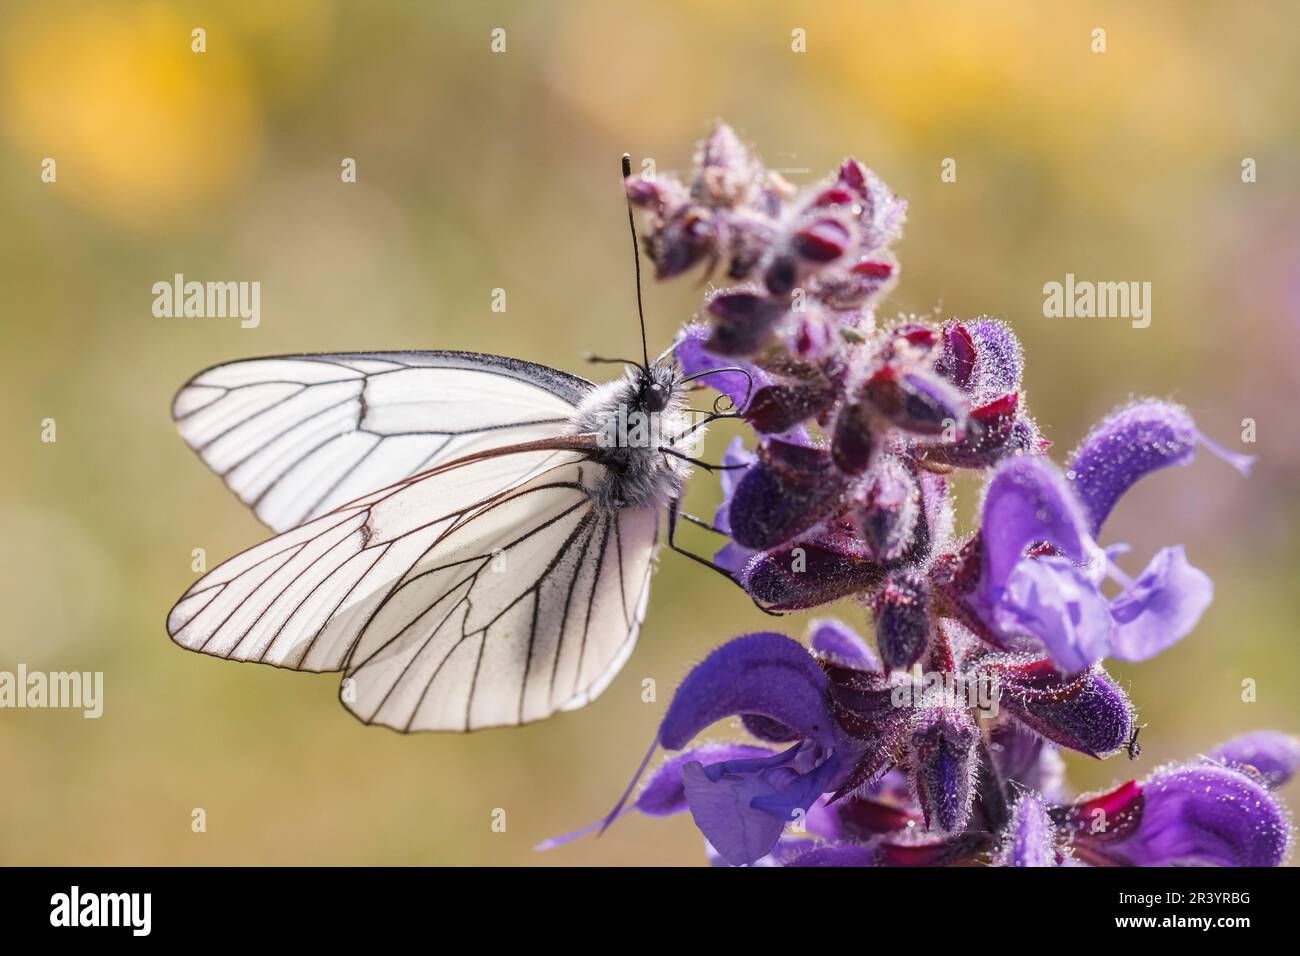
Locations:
column 454, row 531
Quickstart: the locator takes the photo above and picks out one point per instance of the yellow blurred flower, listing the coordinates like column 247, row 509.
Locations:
column 145, row 131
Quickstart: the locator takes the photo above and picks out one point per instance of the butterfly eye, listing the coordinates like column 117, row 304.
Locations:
column 655, row 397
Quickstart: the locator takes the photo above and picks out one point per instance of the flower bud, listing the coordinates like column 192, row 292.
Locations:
column 1030, row 838
column 852, row 441
column 944, row 763
column 782, row 275
column 807, row 574
column 822, row 241
column 915, row 401
column 726, row 171
column 778, row 408
column 786, row 493
column 742, row 322
column 902, row 610
column 957, row 361
column 680, row 244
column 993, row 431
column 1088, row 713
column 890, row 511
column 853, row 176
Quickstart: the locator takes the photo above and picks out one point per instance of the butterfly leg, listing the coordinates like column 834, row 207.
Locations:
column 674, row 512
column 700, row 522
column 701, row 464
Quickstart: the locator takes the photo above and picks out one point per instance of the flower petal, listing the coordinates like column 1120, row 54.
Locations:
column 764, row 673
column 833, row 640
column 1206, row 815
column 1160, row 608
column 1029, row 502
column 1001, row 361
column 1125, row 446
column 1274, row 756
column 1030, row 835
column 838, row 854
column 664, row 794
column 722, row 812
column 1056, row 602
column 732, row 557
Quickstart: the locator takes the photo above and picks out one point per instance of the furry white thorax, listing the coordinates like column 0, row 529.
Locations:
column 638, row 473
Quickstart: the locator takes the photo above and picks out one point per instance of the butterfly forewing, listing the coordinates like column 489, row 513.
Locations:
column 297, row 436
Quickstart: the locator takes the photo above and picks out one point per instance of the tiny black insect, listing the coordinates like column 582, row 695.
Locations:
column 1133, row 747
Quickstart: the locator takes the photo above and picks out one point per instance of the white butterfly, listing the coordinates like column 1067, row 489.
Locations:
column 456, row 532
column 452, row 531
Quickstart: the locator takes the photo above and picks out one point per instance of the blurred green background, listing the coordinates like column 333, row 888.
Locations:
column 479, row 170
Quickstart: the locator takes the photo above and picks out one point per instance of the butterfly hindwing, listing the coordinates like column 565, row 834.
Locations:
column 482, row 593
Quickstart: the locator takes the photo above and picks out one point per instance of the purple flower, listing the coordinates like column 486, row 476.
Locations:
column 1200, row 814
column 1273, row 757
column 742, row 803
column 1042, row 572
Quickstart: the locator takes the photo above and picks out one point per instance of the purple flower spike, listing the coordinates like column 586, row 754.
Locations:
column 943, row 743
column 1191, row 815
column 764, row 673
column 1030, row 836
column 1131, row 443
column 940, row 743
column 1272, row 756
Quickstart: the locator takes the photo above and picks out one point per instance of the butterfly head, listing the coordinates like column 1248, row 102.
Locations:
column 655, row 386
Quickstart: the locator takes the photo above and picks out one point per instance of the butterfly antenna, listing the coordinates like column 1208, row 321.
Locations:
column 636, row 258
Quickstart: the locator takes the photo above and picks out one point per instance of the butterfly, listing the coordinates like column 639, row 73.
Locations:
column 468, row 538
